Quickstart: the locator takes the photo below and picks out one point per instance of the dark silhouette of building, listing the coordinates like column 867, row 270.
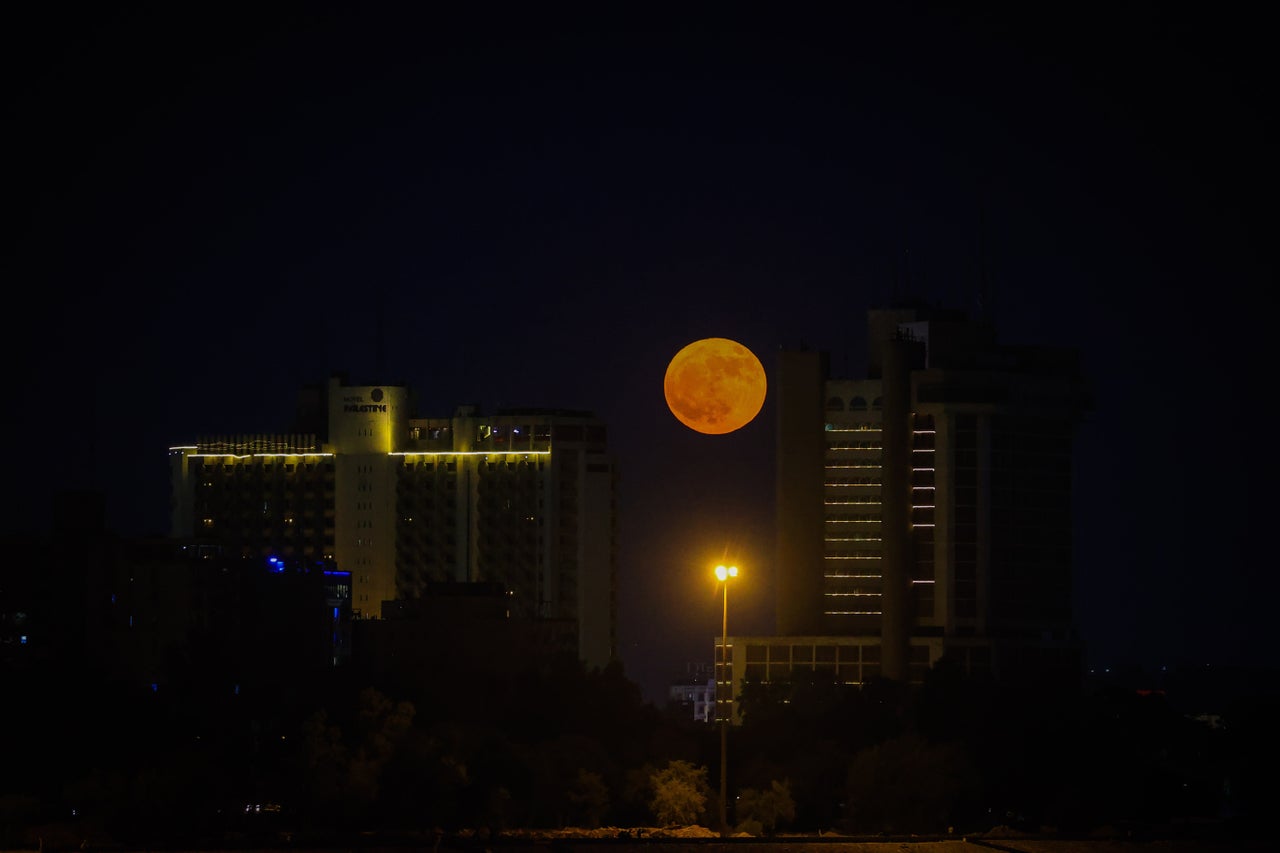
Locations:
column 924, row 510
column 456, row 643
column 88, row 604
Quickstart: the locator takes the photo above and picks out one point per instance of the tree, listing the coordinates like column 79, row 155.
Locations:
column 588, row 799
column 344, row 783
column 908, row 785
column 680, row 793
column 324, row 764
column 766, row 809
column 382, row 725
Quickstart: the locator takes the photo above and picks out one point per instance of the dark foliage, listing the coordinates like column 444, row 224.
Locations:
column 206, row 761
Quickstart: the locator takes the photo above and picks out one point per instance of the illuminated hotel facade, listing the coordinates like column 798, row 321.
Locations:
column 922, row 511
column 523, row 498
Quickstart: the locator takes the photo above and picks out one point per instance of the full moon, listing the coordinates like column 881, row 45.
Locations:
column 714, row 386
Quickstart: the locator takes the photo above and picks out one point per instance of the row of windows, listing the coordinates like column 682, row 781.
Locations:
column 489, row 431
column 807, row 653
column 856, row 404
column 431, row 433
column 250, row 531
column 322, row 461
column 310, row 516
column 451, row 465
column 784, row 653
column 255, row 467
column 299, row 492
column 849, row 673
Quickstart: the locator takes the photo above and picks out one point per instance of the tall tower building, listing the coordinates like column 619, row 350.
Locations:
column 522, row 498
column 925, row 509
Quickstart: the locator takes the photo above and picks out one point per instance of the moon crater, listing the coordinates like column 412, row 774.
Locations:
column 715, row 386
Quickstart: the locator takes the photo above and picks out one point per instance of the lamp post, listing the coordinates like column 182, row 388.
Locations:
column 723, row 573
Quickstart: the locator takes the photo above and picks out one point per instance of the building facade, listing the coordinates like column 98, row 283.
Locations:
column 523, row 498
column 165, row 613
column 695, row 693
column 924, row 510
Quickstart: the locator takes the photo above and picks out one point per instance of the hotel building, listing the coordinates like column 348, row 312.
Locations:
column 922, row 511
column 521, row 498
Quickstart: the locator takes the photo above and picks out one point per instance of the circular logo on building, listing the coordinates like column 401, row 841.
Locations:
column 376, row 395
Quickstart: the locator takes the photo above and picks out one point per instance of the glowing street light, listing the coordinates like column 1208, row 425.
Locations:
column 725, row 676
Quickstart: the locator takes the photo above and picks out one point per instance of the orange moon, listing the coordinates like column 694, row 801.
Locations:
column 714, row 386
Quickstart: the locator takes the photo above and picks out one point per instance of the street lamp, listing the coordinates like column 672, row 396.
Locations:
column 723, row 573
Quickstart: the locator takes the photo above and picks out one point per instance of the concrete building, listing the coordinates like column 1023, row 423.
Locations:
column 924, row 510
column 695, row 693
column 457, row 642
column 523, row 498
column 163, row 613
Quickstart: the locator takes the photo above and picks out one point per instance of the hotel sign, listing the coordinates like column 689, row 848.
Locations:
column 356, row 403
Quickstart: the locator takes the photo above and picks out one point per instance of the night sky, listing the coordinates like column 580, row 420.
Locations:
column 215, row 205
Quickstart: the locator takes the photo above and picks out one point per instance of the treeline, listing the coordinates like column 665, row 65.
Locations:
column 318, row 756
